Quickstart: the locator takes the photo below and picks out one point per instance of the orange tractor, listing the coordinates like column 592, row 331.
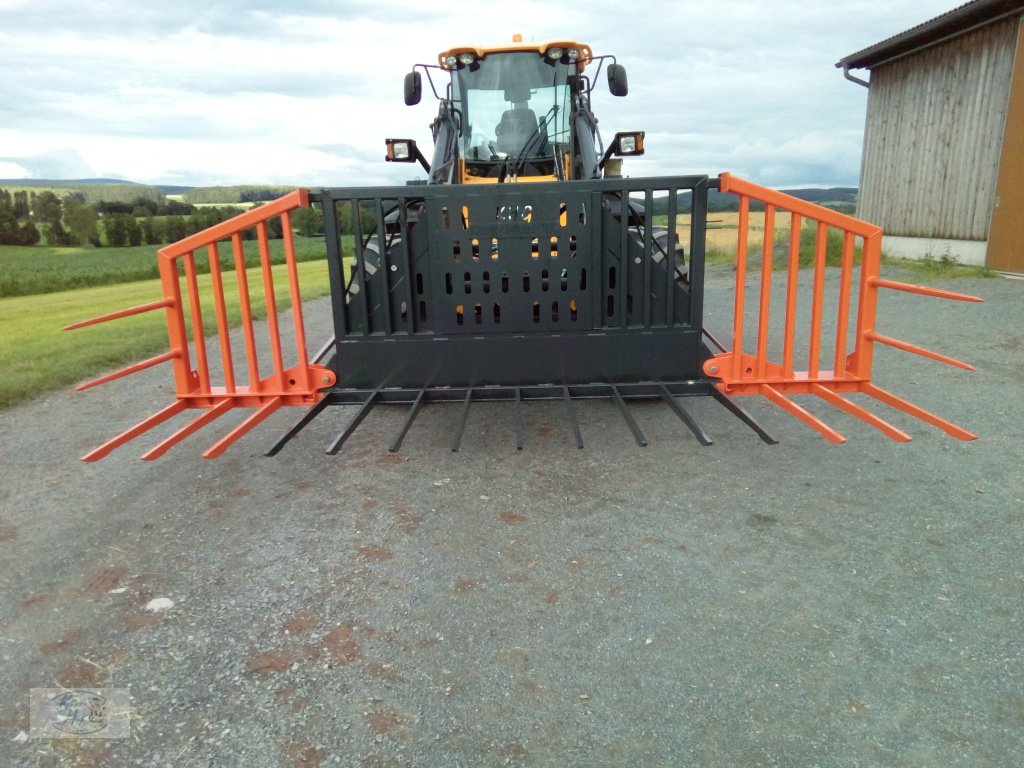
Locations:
column 524, row 267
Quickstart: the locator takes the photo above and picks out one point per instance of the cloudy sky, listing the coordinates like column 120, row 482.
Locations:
column 304, row 92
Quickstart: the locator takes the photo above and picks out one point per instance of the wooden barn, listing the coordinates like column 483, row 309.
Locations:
column 943, row 165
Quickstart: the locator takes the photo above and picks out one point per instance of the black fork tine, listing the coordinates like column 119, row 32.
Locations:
column 520, row 437
column 311, row 414
column 638, row 434
column 364, row 411
column 567, row 399
column 410, row 417
column 739, row 412
column 462, row 420
column 683, row 414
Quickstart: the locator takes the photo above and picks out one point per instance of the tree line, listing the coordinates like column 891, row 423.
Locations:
column 28, row 218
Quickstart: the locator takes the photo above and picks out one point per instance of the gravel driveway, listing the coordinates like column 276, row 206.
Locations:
column 742, row 604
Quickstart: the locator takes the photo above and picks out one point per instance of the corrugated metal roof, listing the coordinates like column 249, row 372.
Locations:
column 954, row 23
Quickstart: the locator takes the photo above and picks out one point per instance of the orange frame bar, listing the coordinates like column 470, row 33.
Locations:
column 196, row 389
column 741, row 373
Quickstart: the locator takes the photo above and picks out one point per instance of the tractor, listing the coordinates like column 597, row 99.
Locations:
column 524, row 267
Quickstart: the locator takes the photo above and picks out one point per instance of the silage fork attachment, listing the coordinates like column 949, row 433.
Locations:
column 629, row 308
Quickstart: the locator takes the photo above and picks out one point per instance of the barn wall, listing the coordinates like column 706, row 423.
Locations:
column 1006, row 237
column 933, row 135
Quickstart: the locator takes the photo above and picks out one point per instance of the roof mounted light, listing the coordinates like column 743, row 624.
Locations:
column 451, row 61
column 555, row 53
column 467, row 58
column 573, row 54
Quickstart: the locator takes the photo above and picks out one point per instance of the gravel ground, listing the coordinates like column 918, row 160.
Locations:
column 742, row 604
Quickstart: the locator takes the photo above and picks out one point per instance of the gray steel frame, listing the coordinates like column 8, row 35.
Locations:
column 515, row 285
column 516, row 292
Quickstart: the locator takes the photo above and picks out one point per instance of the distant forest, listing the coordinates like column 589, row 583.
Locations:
column 105, row 213
column 843, row 199
column 113, row 213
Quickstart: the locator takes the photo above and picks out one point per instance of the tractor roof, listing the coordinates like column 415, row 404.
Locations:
column 517, row 44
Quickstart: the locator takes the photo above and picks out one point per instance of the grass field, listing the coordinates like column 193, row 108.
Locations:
column 723, row 232
column 36, row 356
column 30, row 270
column 59, row 286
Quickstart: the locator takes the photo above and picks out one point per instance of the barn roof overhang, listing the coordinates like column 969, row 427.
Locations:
column 959, row 21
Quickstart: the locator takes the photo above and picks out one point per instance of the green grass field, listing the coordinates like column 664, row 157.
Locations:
column 36, row 356
column 30, row 270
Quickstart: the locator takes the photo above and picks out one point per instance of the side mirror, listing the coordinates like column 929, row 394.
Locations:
column 617, row 82
column 413, row 88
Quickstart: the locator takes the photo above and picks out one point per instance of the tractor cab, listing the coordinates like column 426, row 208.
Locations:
column 519, row 112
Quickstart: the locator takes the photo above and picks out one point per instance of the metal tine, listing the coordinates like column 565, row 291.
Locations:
column 739, row 412
column 410, row 417
column 638, row 435
column 364, row 410
column 567, row 398
column 520, row 437
column 462, row 420
column 299, row 425
column 840, row 402
column 683, row 414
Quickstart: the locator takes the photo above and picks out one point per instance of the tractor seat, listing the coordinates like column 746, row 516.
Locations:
column 515, row 129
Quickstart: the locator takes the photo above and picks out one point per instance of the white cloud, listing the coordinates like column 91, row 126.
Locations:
column 305, row 93
column 9, row 170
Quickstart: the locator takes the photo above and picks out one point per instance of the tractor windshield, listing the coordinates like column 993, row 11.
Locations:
column 515, row 110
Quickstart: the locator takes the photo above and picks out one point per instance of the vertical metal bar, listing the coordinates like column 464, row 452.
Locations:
column 648, row 237
column 741, row 279
column 573, row 420
column 198, row 331
column 296, row 299
column 820, row 242
column 411, row 313
column 364, row 288
column 223, row 329
column 867, row 306
column 462, row 420
column 409, row 418
column 638, row 435
column 246, row 309
column 792, row 285
column 385, row 268
column 698, row 234
column 670, row 266
column 177, row 336
column 335, row 263
column 599, row 260
column 843, row 319
column 624, row 258
column 273, row 330
column 764, row 313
